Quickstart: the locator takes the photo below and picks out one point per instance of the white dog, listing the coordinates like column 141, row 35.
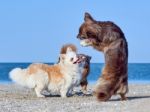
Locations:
column 60, row 78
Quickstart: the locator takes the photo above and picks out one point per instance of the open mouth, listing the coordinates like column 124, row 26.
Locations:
column 86, row 42
column 80, row 59
column 77, row 61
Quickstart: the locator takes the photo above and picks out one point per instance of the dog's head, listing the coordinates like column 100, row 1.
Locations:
column 89, row 31
column 70, row 58
column 86, row 59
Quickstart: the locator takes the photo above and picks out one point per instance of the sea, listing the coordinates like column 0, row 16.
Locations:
column 137, row 72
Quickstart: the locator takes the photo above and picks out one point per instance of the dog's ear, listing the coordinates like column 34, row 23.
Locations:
column 68, row 49
column 62, row 57
column 88, row 18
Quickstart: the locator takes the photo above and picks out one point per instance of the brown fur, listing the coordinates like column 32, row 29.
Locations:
column 108, row 38
column 86, row 68
column 54, row 71
column 64, row 48
column 86, row 71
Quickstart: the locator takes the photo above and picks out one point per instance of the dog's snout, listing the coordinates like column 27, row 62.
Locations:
column 78, row 36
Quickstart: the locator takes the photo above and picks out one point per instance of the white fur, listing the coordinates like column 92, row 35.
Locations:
column 40, row 80
column 84, row 43
column 72, row 77
column 19, row 76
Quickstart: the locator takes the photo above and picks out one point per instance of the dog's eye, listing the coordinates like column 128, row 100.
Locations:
column 71, row 59
column 89, row 33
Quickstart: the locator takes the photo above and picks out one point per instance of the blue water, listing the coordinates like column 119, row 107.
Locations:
column 137, row 72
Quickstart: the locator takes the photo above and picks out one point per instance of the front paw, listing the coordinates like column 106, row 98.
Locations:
column 64, row 96
column 40, row 96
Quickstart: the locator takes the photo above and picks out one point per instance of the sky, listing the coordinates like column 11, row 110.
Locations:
column 35, row 30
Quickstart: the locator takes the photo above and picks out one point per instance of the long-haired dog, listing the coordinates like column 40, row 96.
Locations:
column 60, row 78
column 107, row 37
column 85, row 68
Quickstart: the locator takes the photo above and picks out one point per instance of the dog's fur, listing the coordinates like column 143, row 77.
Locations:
column 63, row 50
column 108, row 38
column 86, row 67
column 60, row 78
column 85, row 72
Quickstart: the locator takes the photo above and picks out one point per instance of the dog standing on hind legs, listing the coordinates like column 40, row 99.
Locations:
column 107, row 37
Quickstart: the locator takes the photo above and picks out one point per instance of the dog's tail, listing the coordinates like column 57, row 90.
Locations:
column 19, row 76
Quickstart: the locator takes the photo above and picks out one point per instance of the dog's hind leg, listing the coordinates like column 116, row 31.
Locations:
column 84, row 84
column 84, row 89
column 38, row 90
column 123, row 89
column 123, row 97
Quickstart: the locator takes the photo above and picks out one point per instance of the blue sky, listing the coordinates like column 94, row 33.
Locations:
column 35, row 30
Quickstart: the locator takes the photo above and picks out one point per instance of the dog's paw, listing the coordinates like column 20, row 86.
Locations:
column 40, row 96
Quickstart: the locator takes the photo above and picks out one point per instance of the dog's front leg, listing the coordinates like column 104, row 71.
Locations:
column 63, row 92
column 38, row 90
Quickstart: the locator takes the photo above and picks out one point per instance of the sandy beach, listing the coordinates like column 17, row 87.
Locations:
column 14, row 98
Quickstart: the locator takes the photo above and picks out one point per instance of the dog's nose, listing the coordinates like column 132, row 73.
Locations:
column 78, row 36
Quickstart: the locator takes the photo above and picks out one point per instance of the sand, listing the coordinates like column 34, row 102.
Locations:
column 14, row 98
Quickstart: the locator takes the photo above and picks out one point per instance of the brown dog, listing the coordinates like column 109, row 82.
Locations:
column 85, row 73
column 86, row 68
column 108, row 38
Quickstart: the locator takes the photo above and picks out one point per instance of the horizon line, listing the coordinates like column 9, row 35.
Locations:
column 90, row 62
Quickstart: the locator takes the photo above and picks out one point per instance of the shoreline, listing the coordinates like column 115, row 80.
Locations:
column 94, row 82
column 15, row 98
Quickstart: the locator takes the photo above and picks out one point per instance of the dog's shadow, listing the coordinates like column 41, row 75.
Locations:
column 80, row 93
column 50, row 95
column 130, row 98
column 137, row 97
column 77, row 93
